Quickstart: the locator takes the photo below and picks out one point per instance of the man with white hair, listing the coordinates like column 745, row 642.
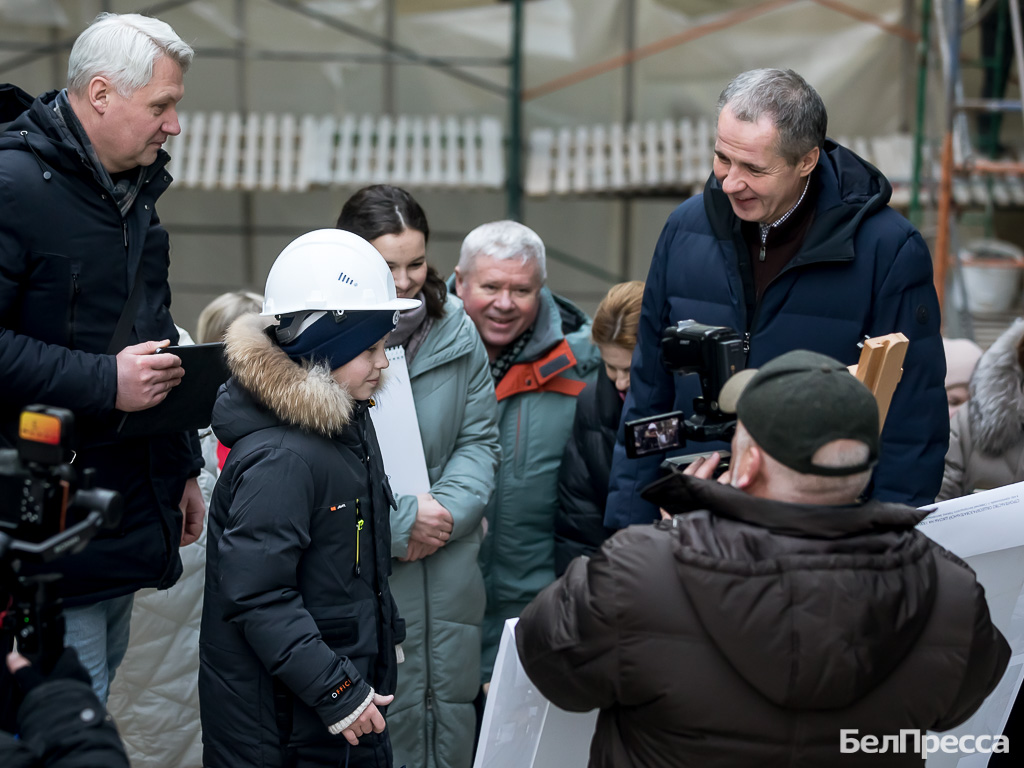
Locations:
column 773, row 611
column 793, row 245
column 541, row 359
column 84, row 302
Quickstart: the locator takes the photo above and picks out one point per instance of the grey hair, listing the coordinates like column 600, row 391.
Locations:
column 794, row 107
column 500, row 240
column 789, row 485
column 123, row 48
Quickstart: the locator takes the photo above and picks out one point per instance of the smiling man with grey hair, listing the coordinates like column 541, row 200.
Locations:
column 792, row 244
column 541, row 358
column 84, row 302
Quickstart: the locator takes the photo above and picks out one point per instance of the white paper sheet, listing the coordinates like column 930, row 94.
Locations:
column 987, row 530
column 520, row 727
column 398, row 429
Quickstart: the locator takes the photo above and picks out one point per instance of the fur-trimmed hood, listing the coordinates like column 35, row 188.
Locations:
column 996, row 405
column 304, row 396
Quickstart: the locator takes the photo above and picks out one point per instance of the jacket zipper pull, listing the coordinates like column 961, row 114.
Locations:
column 761, row 256
column 359, row 528
column 746, row 343
column 124, row 229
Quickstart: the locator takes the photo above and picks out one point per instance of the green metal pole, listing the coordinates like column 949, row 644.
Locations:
column 922, row 88
column 514, row 193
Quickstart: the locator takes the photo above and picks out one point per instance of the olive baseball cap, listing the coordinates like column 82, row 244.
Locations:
column 798, row 402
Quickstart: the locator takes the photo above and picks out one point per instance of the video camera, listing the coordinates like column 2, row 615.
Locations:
column 46, row 511
column 712, row 352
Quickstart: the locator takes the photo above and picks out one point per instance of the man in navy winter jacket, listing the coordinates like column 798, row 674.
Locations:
column 80, row 172
column 793, row 245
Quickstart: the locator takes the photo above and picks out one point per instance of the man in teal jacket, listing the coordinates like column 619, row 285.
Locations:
column 541, row 359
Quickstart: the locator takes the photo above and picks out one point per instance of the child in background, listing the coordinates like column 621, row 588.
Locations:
column 962, row 356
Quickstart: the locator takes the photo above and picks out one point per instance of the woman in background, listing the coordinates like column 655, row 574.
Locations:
column 436, row 535
column 986, row 440
column 583, row 476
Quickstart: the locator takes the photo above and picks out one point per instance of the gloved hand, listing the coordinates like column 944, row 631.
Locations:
column 29, row 676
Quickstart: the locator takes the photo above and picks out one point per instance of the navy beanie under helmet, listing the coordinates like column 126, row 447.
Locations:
column 341, row 339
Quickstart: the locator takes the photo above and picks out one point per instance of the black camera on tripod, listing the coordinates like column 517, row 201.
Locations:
column 47, row 511
column 713, row 352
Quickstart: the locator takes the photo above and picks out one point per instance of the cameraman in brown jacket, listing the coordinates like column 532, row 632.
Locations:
column 773, row 612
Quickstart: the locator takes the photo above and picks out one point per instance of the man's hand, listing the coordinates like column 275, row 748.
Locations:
column 704, row 468
column 370, row 720
column 434, row 523
column 192, row 508
column 144, row 379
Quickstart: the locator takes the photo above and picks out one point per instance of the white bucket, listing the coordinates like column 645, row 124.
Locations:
column 992, row 273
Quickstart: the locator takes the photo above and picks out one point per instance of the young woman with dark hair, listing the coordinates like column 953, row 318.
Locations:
column 436, row 535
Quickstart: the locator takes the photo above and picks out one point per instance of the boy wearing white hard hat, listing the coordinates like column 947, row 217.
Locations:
column 299, row 634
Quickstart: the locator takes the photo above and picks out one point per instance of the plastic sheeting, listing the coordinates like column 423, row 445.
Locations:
column 854, row 65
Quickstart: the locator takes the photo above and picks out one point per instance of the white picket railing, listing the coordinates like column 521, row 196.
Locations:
column 674, row 157
column 291, row 154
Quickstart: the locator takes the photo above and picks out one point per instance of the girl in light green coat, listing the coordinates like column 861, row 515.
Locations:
column 435, row 535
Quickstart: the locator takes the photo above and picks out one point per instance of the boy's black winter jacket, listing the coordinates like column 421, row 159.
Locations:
column 298, row 619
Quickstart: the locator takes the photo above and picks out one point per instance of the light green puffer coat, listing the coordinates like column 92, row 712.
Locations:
column 518, row 554
column 441, row 597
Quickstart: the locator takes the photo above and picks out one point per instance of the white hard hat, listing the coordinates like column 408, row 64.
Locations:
column 329, row 269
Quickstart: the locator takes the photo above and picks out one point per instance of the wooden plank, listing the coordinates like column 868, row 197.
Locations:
column 212, row 155
column 581, row 160
column 382, row 151
column 364, row 150
column 268, row 151
column 418, row 158
column 687, row 161
column 312, row 155
column 538, row 174
column 563, row 161
column 617, row 180
column 286, row 154
column 880, row 369
column 669, row 154
column 345, row 151
column 634, row 166
column 651, row 155
column 323, row 156
column 470, row 153
column 400, row 160
column 599, row 159
column 250, row 172
column 492, row 153
column 434, row 151
column 229, row 169
column 193, row 163
column 452, row 152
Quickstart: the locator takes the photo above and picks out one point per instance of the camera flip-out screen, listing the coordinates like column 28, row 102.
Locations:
column 655, row 434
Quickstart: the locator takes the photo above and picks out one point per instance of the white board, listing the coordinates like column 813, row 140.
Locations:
column 398, row 429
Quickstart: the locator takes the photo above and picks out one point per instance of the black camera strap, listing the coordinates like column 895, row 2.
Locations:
column 127, row 319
